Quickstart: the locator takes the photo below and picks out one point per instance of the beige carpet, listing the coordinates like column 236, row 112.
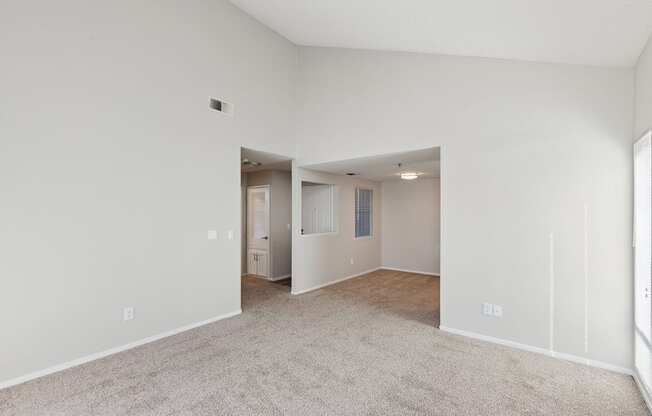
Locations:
column 367, row 346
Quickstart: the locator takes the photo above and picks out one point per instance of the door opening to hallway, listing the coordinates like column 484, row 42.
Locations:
column 374, row 220
column 266, row 202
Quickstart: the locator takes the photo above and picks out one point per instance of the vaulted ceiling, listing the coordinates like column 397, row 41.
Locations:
column 588, row 32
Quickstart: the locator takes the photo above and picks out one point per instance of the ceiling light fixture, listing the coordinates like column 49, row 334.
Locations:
column 408, row 176
column 247, row 162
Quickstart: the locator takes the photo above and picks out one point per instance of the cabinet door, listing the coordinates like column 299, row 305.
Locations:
column 251, row 262
column 262, row 264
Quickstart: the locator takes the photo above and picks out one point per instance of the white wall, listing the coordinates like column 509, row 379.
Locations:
column 410, row 223
column 112, row 167
column 282, row 223
column 525, row 148
column 644, row 92
column 280, row 183
column 320, row 259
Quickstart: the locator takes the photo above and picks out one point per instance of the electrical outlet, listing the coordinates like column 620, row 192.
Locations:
column 128, row 314
column 498, row 311
column 487, row 309
column 352, row 261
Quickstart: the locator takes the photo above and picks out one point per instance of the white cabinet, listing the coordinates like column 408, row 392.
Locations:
column 257, row 263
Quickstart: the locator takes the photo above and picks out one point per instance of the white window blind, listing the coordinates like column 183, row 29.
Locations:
column 363, row 212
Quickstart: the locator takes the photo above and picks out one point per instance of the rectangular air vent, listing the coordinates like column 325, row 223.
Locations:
column 221, row 106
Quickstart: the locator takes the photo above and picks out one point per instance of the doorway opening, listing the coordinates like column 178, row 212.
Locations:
column 370, row 227
column 266, row 217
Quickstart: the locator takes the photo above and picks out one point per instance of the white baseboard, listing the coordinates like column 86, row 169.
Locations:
column 102, row 354
column 333, row 282
column 644, row 391
column 274, row 279
column 269, row 279
column 409, row 271
column 549, row 353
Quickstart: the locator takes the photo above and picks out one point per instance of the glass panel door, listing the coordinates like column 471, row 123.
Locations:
column 643, row 257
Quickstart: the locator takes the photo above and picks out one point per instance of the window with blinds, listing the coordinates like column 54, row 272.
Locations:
column 363, row 212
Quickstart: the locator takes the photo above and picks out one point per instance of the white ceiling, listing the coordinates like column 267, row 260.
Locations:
column 384, row 167
column 589, row 32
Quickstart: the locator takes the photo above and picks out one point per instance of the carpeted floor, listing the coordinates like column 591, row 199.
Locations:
column 367, row 346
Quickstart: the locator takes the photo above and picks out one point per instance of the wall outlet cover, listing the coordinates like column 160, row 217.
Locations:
column 128, row 314
column 498, row 311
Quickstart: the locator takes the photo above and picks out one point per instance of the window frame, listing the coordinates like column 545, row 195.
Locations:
column 332, row 205
column 355, row 213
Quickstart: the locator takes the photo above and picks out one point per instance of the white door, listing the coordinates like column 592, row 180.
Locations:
column 257, row 262
column 643, row 256
column 258, row 229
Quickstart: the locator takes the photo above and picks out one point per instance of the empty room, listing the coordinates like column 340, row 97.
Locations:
column 283, row 207
column 380, row 214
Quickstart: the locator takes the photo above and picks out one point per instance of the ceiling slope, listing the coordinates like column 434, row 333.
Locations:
column 587, row 32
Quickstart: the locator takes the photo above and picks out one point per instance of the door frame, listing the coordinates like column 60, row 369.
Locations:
column 269, row 228
column 640, row 341
column 647, row 137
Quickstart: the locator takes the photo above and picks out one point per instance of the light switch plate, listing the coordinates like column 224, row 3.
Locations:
column 212, row 235
column 498, row 311
column 487, row 309
column 229, row 235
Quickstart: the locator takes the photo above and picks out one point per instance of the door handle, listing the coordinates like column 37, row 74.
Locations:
column 265, row 238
